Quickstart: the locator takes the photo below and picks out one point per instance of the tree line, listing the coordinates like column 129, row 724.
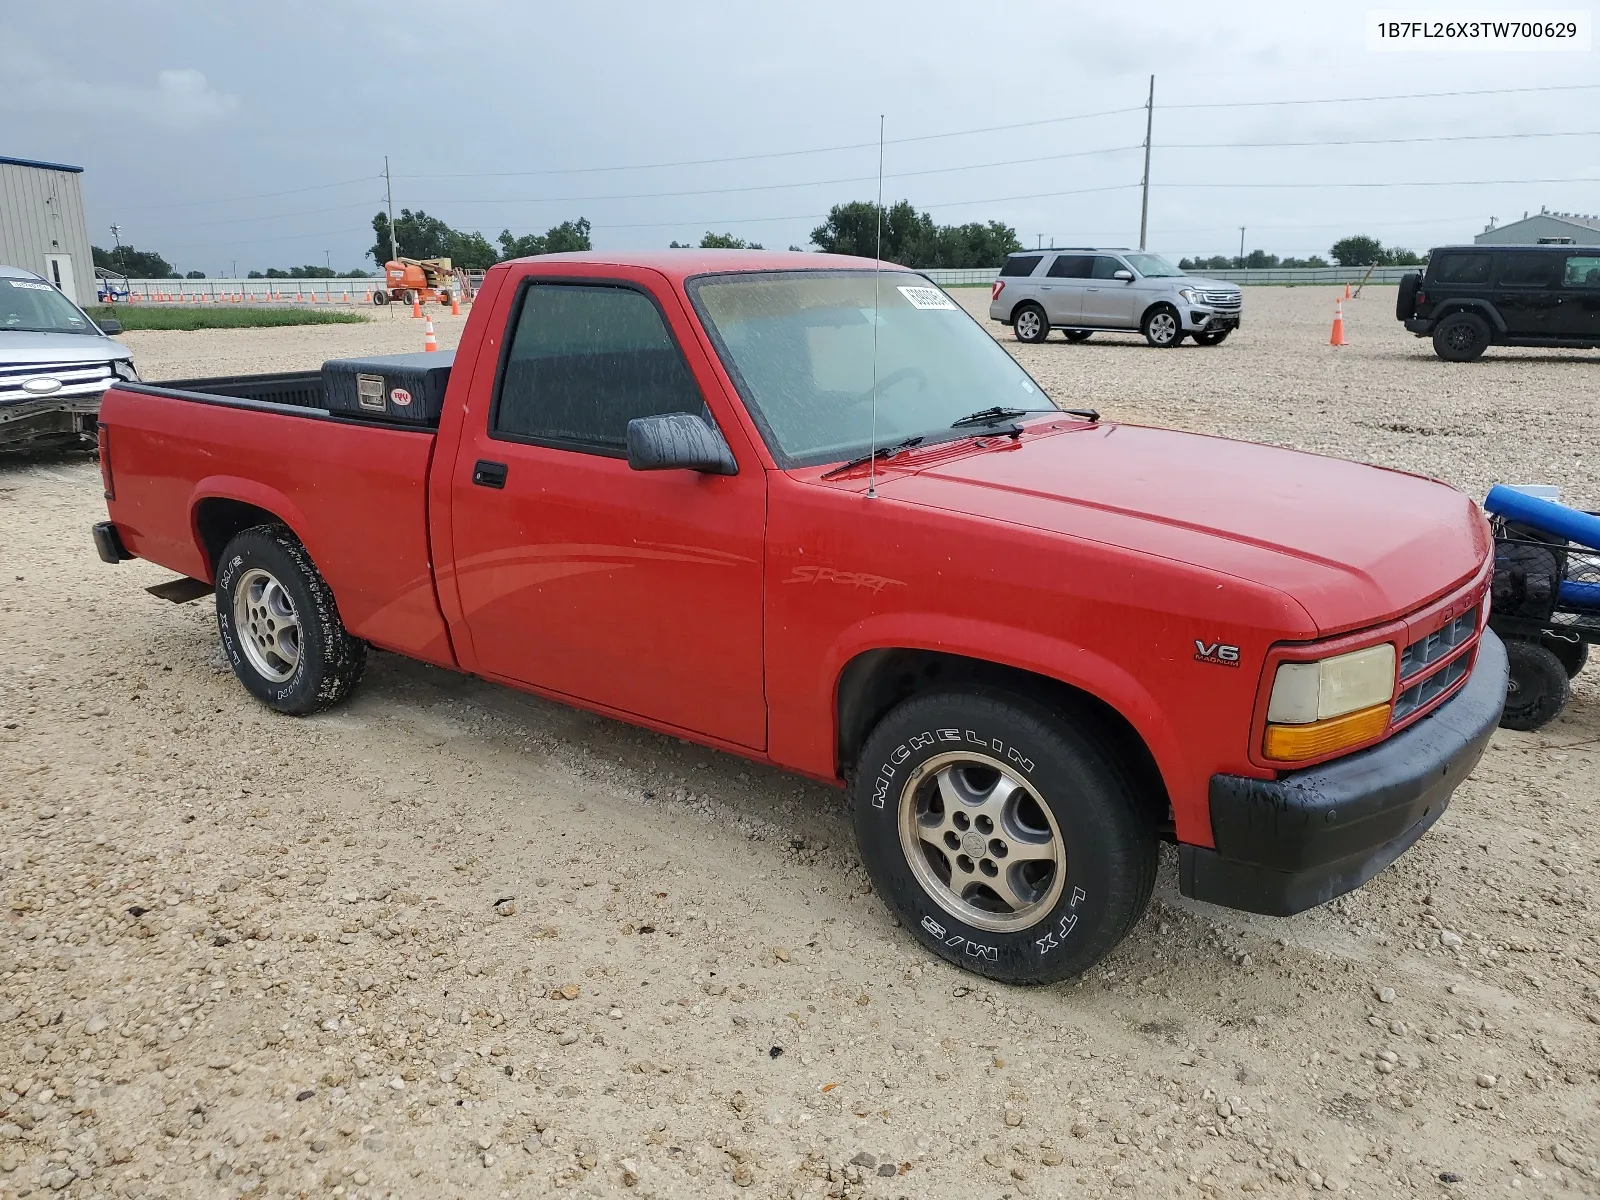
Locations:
column 1358, row 250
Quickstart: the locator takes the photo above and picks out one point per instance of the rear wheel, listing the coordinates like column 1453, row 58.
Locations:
column 1162, row 327
column 444, row 299
column 1077, row 335
column 1461, row 337
column 1030, row 324
column 1001, row 835
column 380, row 297
column 280, row 626
column 1215, row 338
column 1537, row 689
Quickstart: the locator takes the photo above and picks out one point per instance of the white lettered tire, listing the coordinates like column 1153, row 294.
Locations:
column 1001, row 835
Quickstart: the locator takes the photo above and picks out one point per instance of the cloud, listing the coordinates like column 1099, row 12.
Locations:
column 180, row 99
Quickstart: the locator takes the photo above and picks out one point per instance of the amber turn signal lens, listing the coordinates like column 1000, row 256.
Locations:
column 1292, row 743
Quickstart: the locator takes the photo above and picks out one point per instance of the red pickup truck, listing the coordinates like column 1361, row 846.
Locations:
column 808, row 511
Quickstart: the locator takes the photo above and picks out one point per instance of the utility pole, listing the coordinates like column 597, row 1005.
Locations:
column 233, row 269
column 388, row 194
column 1038, row 242
column 1241, row 247
column 327, row 260
column 1149, row 124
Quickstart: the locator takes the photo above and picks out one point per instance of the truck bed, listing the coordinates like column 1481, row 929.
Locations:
column 187, row 454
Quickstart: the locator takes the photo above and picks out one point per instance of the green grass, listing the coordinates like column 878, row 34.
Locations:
column 135, row 316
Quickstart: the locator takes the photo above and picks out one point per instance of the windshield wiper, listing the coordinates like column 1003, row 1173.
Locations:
column 986, row 416
column 882, row 452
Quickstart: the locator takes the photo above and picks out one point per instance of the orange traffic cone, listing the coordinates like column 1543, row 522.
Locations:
column 1347, row 291
column 1336, row 338
column 429, row 342
column 346, row 299
column 455, row 305
column 416, row 308
column 367, row 299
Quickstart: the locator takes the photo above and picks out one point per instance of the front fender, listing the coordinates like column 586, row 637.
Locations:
column 1039, row 654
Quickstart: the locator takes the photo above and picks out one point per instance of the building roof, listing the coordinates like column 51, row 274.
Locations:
column 43, row 166
column 1582, row 220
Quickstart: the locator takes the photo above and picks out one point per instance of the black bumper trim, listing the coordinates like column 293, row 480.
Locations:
column 1420, row 326
column 1286, row 845
column 109, row 543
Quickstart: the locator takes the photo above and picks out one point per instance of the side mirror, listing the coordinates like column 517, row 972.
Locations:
column 678, row 441
column 1125, row 275
column 109, row 327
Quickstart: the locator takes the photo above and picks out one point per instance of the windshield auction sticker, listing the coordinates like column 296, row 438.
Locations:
column 926, row 297
column 29, row 285
column 1476, row 30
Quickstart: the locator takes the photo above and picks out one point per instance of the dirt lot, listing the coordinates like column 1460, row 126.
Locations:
column 250, row 955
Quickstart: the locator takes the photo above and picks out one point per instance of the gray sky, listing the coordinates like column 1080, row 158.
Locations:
column 179, row 109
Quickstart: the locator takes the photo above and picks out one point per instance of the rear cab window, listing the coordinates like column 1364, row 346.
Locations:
column 1021, row 264
column 584, row 360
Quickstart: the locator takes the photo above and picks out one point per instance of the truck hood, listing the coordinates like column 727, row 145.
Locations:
column 1210, row 285
column 1354, row 545
column 18, row 348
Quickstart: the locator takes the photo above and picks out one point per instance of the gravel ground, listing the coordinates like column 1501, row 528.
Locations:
column 451, row 940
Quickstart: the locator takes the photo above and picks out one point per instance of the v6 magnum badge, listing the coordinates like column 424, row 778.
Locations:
column 1215, row 653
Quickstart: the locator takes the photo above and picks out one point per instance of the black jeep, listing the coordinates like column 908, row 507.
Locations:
column 1474, row 297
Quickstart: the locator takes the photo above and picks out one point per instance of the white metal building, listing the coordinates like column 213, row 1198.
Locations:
column 42, row 226
column 1543, row 228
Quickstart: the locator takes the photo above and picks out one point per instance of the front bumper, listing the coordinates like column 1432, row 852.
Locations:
column 1200, row 320
column 1286, row 845
column 35, row 422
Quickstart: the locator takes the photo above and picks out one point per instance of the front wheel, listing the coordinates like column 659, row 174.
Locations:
column 280, row 626
column 1215, row 338
column 380, row 297
column 1537, row 688
column 1030, row 324
column 1162, row 327
column 1001, row 835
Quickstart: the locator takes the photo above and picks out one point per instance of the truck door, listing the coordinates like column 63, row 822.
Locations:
column 1062, row 288
column 638, row 591
column 1110, row 303
column 1527, row 292
column 1579, row 313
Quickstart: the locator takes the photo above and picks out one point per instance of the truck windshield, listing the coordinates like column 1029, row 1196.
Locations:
column 33, row 306
column 799, row 346
column 1152, row 266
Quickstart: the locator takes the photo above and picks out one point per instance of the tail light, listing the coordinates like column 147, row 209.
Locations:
column 103, row 432
column 1422, row 298
column 994, row 292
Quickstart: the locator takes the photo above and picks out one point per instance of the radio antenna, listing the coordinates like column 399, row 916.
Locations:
column 877, row 264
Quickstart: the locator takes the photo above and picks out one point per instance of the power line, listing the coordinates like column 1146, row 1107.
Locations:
column 1392, row 183
column 318, row 187
column 1450, row 137
column 706, row 162
column 1559, row 87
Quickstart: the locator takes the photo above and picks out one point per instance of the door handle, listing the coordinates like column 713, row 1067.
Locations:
column 1044, row 287
column 489, row 474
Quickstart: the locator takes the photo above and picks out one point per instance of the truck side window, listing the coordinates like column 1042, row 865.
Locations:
column 1583, row 271
column 1020, row 265
column 1105, row 267
column 584, row 360
column 1071, row 266
column 1462, row 268
column 1522, row 269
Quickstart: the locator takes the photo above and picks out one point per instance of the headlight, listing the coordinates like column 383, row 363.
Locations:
column 1190, row 296
column 1321, row 707
column 124, row 370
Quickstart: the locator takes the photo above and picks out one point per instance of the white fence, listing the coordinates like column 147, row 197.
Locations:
column 248, row 291
column 975, row 276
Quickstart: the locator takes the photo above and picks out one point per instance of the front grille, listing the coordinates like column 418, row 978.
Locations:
column 1228, row 299
column 1436, row 645
column 77, row 379
column 1425, row 691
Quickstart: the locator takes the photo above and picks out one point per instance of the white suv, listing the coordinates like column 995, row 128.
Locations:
column 1082, row 290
